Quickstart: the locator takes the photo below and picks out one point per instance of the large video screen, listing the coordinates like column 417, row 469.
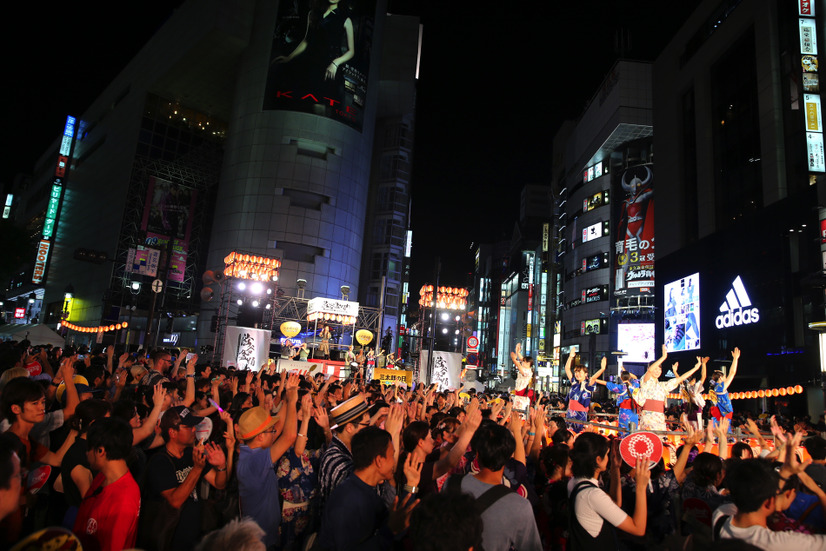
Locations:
column 637, row 341
column 682, row 313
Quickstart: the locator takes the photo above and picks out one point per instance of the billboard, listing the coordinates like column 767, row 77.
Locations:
column 637, row 341
column 634, row 245
column 168, row 212
column 682, row 313
column 320, row 59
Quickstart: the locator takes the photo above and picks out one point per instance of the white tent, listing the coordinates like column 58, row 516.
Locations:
column 37, row 333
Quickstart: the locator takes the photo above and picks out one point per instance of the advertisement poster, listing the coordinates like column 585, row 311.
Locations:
column 636, row 340
column 682, row 313
column 634, row 245
column 320, row 59
column 168, row 213
column 246, row 347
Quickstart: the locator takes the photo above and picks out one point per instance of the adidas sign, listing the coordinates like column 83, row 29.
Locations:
column 736, row 309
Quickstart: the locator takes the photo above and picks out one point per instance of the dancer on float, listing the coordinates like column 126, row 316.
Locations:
column 692, row 393
column 652, row 394
column 624, row 392
column 719, row 385
column 524, row 369
column 579, row 397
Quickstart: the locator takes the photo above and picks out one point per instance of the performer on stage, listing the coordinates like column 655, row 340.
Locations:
column 719, row 386
column 324, row 348
column 692, row 393
column 524, row 368
column 579, row 397
column 652, row 394
column 624, row 395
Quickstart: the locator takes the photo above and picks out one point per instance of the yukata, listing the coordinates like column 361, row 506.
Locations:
column 625, row 403
column 579, row 400
column 297, row 484
column 723, row 407
column 651, row 397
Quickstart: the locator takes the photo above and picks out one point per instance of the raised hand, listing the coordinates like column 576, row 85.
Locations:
column 158, row 395
column 215, row 455
column 229, row 434
column 321, row 418
column 412, row 470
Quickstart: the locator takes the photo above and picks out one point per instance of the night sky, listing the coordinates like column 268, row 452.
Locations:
column 496, row 81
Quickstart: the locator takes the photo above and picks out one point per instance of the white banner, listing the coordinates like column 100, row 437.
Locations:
column 246, row 347
column 333, row 306
column 311, row 367
column 447, row 369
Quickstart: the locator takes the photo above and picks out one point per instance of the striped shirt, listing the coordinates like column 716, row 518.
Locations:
column 336, row 465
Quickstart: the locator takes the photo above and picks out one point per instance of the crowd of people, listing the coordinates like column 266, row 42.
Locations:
column 156, row 450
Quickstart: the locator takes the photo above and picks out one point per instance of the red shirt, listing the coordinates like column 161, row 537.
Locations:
column 108, row 515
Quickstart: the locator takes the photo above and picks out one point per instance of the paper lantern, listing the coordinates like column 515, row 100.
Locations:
column 290, row 328
column 782, row 391
column 761, row 393
column 363, row 336
column 124, row 325
column 798, row 389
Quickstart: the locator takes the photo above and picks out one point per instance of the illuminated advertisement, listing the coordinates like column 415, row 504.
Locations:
column 682, row 314
column 813, row 117
column 320, row 59
column 808, row 36
column 143, row 261
column 634, row 245
column 592, row 327
column 814, row 145
column 594, row 201
column 637, row 341
column 40, row 261
column 737, row 309
column 595, row 294
column 594, row 171
column 807, row 33
column 594, row 231
column 168, row 213
column 53, row 208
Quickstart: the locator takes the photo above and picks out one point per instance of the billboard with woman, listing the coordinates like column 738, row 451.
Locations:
column 320, row 58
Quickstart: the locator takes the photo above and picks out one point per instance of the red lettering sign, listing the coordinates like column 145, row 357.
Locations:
column 62, row 161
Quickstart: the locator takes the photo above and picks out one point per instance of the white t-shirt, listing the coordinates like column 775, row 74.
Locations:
column 593, row 505
column 764, row 538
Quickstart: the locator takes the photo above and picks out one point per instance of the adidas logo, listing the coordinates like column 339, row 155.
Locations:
column 736, row 309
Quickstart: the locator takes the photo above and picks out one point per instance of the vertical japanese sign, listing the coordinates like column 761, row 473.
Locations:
column 634, row 238
column 53, row 207
column 807, row 31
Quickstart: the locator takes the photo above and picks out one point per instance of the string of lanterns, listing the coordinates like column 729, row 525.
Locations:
column 750, row 394
column 256, row 268
column 337, row 318
column 450, row 298
column 98, row 329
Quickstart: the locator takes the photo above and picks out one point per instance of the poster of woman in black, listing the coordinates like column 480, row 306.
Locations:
column 320, row 58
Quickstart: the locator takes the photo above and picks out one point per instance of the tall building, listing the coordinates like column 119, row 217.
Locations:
column 740, row 145
column 604, row 184
column 231, row 130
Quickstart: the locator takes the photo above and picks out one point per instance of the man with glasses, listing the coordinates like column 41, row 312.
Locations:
column 261, row 447
column 159, row 363
column 174, row 473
